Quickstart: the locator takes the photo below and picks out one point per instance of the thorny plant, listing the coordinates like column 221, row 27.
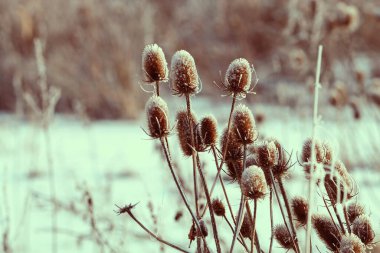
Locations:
column 259, row 169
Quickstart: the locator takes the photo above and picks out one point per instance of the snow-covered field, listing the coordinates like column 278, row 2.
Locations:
column 118, row 164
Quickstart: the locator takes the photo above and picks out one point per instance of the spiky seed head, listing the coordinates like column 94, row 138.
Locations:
column 244, row 125
column 157, row 115
column 184, row 75
column 334, row 185
column 154, row 63
column 354, row 210
column 300, row 208
column 204, row 229
column 283, row 237
column 327, row 231
column 184, row 123
column 246, row 227
column 209, row 130
column 341, row 169
column 238, row 76
column 267, row 154
column 234, row 170
column 253, row 184
column 218, row 207
column 306, row 154
column 351, row 244
column 232, row 147
column 362, row 227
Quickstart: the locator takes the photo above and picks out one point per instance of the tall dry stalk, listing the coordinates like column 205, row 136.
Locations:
column 312, row 181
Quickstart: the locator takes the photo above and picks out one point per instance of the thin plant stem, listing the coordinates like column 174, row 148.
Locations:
column 188, row 106
column 211, row 211
column 271, row 219
column 240, row 239
column 249, row 212
column 195, row 220
column 254, row 225
column 339, row 219
column 129, row 212
column 281, row 209
column 287, row 206
column 158, row 88
column 346, row 218
column 328, row 209
column 315, row 123
column 239, row 221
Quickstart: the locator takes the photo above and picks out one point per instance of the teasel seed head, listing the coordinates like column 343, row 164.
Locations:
column 246, row 227
column 362, row 228
column 209, row 131
column 306, row 155
column 234, row 170
column 354, row 210
column 283, row 237
column 238, row 77
column 329, row 153
column 218, row 207
column 154, row 63
column 232, row 148
column 253, row 184
column 243, row 124
column 183, row 129
column 351, row 244
column 341, row 169
column 333, row 184
column 267, row 154
column 184, row 75
column 300, row 208
column 327, row 231
column 157, row 115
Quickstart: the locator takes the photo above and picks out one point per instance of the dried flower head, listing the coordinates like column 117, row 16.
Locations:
column 204, row 229
column 238, row 77
column 243, row 124
column 283, row 237
column 154, row 63
column 157, row 115
column 267, row 154
column 184, row 75
column 300, row 208
column 184, row 132
column 234, row 170
column 327, row 231
column 363, row 229
column 306, row 155
column 329, row 153
column 354, row 210
column 351, row 244
column 246, row 227
column 253, row 184
column 218, row 207
column 209, row 130
column 231, row 147
column 340, row 179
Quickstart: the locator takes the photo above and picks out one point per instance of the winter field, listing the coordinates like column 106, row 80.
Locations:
column 116, row 163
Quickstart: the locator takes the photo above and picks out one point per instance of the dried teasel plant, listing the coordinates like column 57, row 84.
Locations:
column 300, row 209
column 253, row 184
column 243, row 124
column 362, row 228
column 351, row 244
column 184, row 75
column 327, row 231
column 283, row 237
column 157, row 115
column 354, row 210
column 154, row 65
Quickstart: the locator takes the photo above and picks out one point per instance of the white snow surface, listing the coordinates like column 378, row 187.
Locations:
column 120, row 165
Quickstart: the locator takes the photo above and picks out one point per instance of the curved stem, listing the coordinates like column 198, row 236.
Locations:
column 154, row 235
column 346, row 218
column 240, row 239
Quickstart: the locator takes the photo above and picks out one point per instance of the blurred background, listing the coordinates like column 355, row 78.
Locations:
column 93, row 49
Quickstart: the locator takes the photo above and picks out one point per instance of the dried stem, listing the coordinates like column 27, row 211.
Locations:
column 191, row 123
column 271, row 219
column 240, row 239
column 211, row 211
column 249, row 212
column 181, row 191
column 158, row 88
column 328, row 209
column 348, row 225
column 281, row 209
column 287, row 206
column 129, row 212
column 254, row 225
column 315, row 123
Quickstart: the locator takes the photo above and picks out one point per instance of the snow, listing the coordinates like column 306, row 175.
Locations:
column 120, row 165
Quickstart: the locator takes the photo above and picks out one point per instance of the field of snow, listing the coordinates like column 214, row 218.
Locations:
column 118, row 164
